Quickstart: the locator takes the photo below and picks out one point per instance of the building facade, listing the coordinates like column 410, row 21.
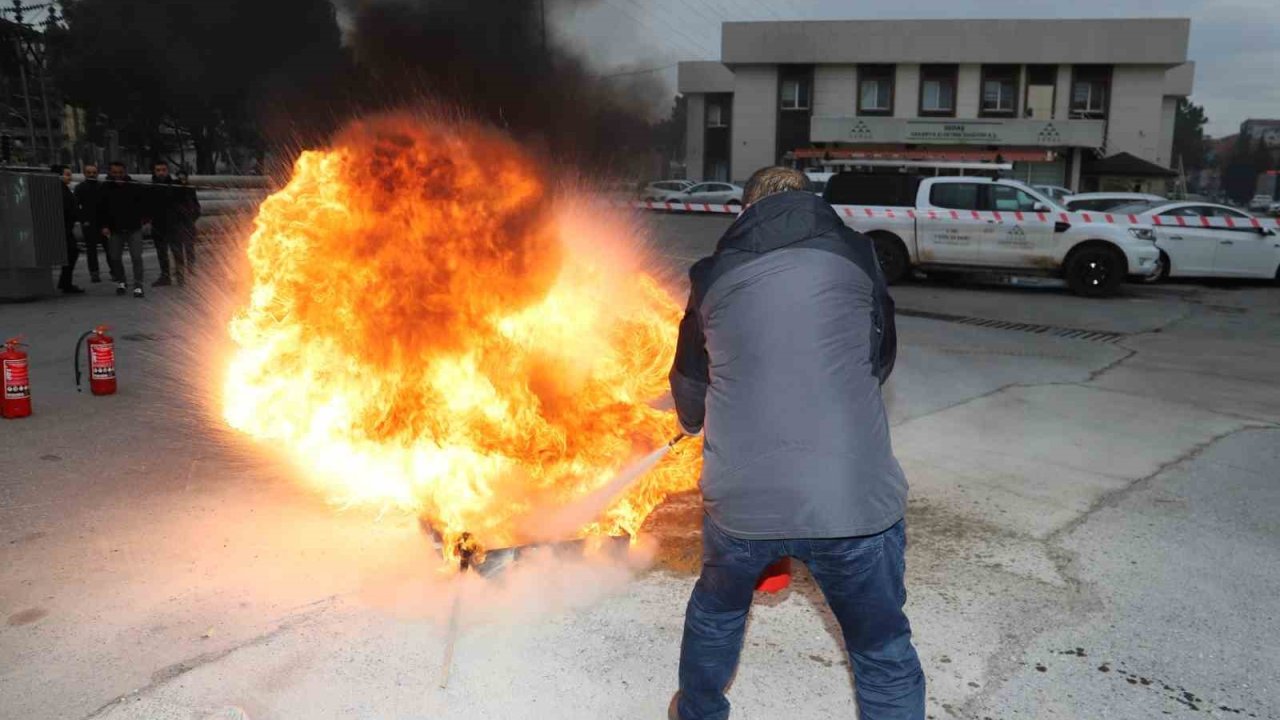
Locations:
column 1265, row 131
column 1056, row 98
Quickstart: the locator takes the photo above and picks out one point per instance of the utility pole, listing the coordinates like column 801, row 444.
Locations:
column 22, row 74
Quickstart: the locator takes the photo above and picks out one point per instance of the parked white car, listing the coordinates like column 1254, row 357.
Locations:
column 1102, row 202
column 973, row 224
column 712, row 193
column 1056, row 193
column 1260, row 203
column 664, row 190
column 1192, row 250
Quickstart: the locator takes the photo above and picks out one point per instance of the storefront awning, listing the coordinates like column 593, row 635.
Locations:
column 1126, row 165
column 952, row 154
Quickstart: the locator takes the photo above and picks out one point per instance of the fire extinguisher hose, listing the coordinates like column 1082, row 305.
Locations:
column 80, row 344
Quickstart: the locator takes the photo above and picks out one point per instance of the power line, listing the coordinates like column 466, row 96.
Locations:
column 757, row 4
column 675, row 28
column 704, row 11
column 624, row 73
column 626, row 11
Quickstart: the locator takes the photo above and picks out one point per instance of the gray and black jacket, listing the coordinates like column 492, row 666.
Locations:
column 787, row 338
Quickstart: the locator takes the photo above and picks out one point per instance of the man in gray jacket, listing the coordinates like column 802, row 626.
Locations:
column 787, row 338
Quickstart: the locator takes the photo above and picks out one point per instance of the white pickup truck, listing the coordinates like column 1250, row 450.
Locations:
column 975, row 224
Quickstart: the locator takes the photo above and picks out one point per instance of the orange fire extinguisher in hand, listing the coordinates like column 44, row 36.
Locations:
column 15, row 401
column 102, row 361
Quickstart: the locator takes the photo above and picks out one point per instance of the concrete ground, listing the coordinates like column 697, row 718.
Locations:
column 1092, row 533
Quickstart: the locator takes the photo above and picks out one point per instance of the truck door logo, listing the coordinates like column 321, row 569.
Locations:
column 1016, row 237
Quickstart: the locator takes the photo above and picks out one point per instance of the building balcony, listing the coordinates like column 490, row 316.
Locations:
column 956, row 131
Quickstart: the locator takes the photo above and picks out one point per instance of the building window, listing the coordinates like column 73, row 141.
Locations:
column 1089, row 92
column 795, row 94
column 999, row 90
column 1042, row 81
column 938, row 90
column 716, row 116
column 1089, row 98
column 875, row 89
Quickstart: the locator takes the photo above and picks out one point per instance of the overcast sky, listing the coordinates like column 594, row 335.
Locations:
column 1234, row 43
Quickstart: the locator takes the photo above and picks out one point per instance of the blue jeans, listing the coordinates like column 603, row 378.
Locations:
column 862, row 579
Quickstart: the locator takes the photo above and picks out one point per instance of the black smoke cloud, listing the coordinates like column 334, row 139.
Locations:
column 494, row 61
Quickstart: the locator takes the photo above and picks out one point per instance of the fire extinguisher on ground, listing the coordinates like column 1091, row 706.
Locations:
column 15, row 402
column 102, row 361
column 776, row 577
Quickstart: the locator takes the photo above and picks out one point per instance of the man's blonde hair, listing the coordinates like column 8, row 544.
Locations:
column 771, row 181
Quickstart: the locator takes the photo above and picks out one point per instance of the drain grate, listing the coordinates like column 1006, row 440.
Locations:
column 1032, row 328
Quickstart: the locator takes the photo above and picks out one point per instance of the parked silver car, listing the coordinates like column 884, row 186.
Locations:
column 664, row 190
column 1104, row 201
column 1056, row 193
column 712, row 193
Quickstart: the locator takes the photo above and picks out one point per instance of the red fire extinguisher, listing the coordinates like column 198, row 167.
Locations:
column 776, row 577
column 102, row 361
column 16, row 400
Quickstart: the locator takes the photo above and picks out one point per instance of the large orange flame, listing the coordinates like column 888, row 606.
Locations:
column 429, row 330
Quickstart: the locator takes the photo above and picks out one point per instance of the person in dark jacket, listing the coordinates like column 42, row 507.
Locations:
column 787, row 338
column 120, row 214
column 87, row 194
column 186, row 213
column 161, row 209
column 70, row 213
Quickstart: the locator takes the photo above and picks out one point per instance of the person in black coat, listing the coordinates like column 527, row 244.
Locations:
column 70, row 214
column 121, row 208
column 161, row 207
column 183, row 232
column 87, row 194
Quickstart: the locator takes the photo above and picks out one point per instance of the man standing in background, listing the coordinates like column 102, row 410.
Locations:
column 87, row 194
column 70, row 214
column 120, row 212
column 787, row 338
column 160, row 208
column 183, row 242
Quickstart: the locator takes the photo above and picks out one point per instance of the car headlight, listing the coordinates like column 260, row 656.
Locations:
column 1143, row 233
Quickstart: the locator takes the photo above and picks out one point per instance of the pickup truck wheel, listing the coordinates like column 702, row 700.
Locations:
column 894, row 262
column 1095, row 271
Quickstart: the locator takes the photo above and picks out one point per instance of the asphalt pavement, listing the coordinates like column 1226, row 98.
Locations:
column 1092, row 534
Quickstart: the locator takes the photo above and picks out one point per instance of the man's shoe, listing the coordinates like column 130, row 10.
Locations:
column 121, row 289
column 73, row 290
column 163, row 281
column 95, row 278
column 137, row 292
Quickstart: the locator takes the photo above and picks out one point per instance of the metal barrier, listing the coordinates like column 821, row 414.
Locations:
column 32, row 239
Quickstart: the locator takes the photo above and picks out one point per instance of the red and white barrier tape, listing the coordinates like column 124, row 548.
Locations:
column 689, row 207
column 860, row 211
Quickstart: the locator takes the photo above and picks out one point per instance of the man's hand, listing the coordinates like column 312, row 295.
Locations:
column 106, row 233
column 687, row 431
